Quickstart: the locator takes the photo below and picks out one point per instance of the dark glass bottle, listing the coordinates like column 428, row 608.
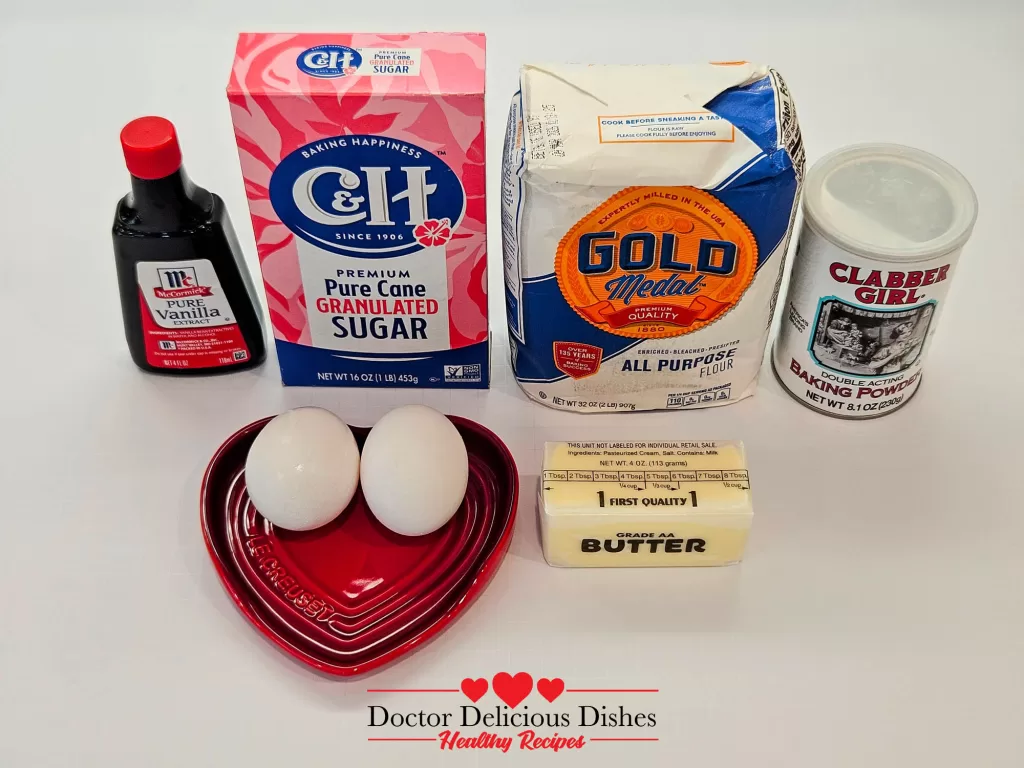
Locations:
column 188, row 302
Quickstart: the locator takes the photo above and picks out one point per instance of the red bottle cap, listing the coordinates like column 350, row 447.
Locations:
column 150, row 147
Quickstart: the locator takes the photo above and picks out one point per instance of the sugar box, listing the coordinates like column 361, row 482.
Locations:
column 363, row 160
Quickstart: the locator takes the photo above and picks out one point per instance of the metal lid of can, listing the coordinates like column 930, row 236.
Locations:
column 890, row 201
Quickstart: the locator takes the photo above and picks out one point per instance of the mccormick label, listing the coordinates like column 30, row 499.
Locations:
column 187, row 321
column 646, row 216
column 363, row 158
column 855, row 330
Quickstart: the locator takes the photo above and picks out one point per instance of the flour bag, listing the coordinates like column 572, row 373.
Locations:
column 646, row 212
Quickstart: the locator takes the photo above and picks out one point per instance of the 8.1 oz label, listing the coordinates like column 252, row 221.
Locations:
column 187, row 321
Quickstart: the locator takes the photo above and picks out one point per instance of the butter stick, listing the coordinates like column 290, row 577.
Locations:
column 656, row 503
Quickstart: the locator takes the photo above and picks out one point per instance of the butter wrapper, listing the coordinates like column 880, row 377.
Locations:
column 633, row 504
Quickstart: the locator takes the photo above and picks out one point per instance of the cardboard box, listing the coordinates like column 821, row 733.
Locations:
column 363, row 159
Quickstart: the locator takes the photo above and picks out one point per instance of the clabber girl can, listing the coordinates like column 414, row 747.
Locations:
column 883, row 229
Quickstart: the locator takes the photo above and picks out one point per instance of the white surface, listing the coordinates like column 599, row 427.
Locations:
column 878, row 617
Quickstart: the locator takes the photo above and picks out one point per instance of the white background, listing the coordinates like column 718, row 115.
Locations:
column 878, row 617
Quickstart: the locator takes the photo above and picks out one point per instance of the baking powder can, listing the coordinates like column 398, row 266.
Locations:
column 883, row 229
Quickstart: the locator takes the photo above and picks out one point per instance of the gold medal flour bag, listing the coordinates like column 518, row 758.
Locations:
column 646, row 215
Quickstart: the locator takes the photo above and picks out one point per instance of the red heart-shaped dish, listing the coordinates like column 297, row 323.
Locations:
column 351, row 596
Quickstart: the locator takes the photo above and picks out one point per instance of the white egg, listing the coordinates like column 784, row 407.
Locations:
column 302, row 469
column 414, row 470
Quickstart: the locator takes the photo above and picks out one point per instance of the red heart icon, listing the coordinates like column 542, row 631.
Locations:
column 550, row 689
column 512, row 690
column 474, row 689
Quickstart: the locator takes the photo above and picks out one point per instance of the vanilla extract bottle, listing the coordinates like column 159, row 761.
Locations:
column 188, row 303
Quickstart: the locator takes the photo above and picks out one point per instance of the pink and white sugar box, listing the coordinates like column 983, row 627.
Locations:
column 363, row 160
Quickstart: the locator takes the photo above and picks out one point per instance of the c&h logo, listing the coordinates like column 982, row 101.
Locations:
column 368, row 196
column 329, row 61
